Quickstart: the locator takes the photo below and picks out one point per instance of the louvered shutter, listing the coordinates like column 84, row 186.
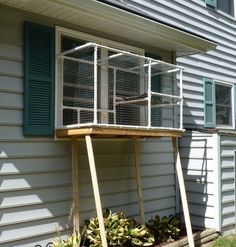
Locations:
column 211, row 3
column 209, row 103
column 39, row 64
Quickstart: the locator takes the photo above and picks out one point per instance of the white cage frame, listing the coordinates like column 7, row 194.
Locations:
column 178, row 98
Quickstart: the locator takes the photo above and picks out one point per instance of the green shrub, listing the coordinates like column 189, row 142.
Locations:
column 71, row 240
column 120, row 231
column 165, row 228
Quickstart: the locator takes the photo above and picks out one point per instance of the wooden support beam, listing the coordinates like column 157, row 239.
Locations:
column 138, row 180
column 75, row 185
column 96, row 189
column 183, row 192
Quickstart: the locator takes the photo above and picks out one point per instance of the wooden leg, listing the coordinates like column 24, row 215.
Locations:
column 75, row 185
column 138, row 180
column 183, row 193
column 96, row 189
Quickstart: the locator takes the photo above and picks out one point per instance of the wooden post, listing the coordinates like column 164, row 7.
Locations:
column 183, row 193
column 138, row 180
column 96, row 189
column 75, row 184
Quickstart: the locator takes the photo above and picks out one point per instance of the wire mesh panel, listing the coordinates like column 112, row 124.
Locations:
column 106, row 86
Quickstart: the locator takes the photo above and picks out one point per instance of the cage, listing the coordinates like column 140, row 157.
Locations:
column 103, row 86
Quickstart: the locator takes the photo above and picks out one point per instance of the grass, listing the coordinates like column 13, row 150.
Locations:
column 225, row 242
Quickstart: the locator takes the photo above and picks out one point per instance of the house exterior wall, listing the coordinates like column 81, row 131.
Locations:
column 35, row 173
column 198, row 153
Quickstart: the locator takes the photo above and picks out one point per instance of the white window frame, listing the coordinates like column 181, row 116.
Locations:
column 61, row 31
column 231, row 85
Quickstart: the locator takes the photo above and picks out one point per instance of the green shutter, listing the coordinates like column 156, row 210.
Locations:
column 156, row 82
column 211, row 3
column 209, row 103
column 39, row 64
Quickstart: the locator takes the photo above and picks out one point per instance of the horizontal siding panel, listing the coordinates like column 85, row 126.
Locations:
column 33, row 213
column 228, row 220
column 208, row 188
column 31, row 181
column 11, row 116
column 212, row 64
column 227, row 197
column 127, row 159
column 200, row 210
column 228, row 174
column 202, row 221
column 11, row 84
column 200, row 198
column 197, row 153
column 196, row 135
column 11, row 68
column 228, row 230
column 35, row 197
column 227, row 185
column 229, row 208
column 30, row 229
column 11, row 36
column 199, row 176
column 227, row 162
column 13, row 52
column 201, row 164
column 11, row 100
column 228, row 141
column 24, row 166
column 40, row 241
column 158, row 205
column 8, row 133
column 197, row 142
column 37, row 149
column 227, row 152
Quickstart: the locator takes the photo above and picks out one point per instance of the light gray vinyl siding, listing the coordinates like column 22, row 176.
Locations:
column 35, row 173
column 219, row 64
column 227, row 158
column 198, row 159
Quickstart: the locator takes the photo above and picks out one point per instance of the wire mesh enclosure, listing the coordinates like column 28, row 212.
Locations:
column 109, row 87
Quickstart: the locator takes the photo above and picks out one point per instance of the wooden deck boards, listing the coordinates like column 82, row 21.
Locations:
column 116, row 132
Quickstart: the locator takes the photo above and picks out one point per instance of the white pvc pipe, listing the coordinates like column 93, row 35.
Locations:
column 114, row 97
column 181, row 98
column 149, row 94
column 95, row 119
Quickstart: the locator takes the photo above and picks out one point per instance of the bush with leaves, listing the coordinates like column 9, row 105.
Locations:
column 166, row 228
column 120, row 231
column 71, row 240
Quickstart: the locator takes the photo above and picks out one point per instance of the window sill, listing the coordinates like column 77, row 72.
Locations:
column 224, row 127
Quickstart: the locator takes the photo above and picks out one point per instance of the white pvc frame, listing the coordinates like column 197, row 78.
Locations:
column 149, row 93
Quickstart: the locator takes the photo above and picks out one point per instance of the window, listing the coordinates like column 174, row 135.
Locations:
column 67, row 39
column 226, row 6
column 218, row 102
column 223, row 105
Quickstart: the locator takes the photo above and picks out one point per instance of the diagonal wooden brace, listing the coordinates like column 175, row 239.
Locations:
column 183, row 192
column 96, row 189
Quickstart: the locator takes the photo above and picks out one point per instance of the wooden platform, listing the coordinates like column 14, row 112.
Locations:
column 116, row 132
